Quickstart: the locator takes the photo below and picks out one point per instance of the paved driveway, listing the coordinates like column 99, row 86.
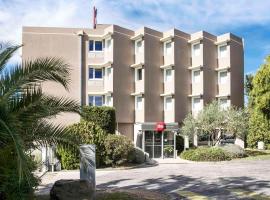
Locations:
column 223, row 180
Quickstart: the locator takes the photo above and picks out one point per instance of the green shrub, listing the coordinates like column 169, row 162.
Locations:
column 259, row 130
column 234, row 151
column 89, row 133
column 10, row 188
column 205, row 154
column 101, row 115
column 118, row 149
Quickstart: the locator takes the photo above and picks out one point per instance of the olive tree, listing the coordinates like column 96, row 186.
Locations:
column 212, row 119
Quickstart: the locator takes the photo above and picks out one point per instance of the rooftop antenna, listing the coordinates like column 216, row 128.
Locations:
column 94, row 17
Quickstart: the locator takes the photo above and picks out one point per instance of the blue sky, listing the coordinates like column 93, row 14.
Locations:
column 249, row 19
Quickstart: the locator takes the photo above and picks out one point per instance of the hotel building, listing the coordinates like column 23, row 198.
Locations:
column 153, row 79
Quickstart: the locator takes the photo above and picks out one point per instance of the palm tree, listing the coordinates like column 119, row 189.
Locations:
column 25, row 108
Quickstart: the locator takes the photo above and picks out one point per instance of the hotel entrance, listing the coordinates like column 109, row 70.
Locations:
column 157, row 143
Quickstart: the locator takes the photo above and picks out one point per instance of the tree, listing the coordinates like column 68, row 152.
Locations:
column 25, row 109
column 248, row 83
column 259, row 106
column 212, row 119
column 237, row 122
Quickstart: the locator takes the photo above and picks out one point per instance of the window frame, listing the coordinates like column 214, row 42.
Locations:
column 227, row 103
column 165, row 75
column 106, row 100
column 219, row 52
column 94, row 46
column 193, row 77
column 106, row 42
column 165, row 103
column 136, row 46
column 136, row 103
column 165, row 48
column 219, row 77
column 137, row 74
column 94, row 73
column 94, row 100
column 193, row 50
column 193, row 100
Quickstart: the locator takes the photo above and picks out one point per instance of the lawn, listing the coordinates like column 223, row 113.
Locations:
column 121, row 195
column 253, row 154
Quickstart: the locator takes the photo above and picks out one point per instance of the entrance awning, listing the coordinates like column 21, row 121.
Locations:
column 152, row 126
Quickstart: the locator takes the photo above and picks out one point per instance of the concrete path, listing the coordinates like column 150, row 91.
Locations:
column 240, row 179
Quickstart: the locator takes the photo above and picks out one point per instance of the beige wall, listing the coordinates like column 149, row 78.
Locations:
column 153, row 76
column 60, row 43
column 123, row 75
column 237, row 72
column 209, row 66
column 182, row 74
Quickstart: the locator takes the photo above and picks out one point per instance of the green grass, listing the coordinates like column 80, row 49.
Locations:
column 253, row 154
column 116, row 196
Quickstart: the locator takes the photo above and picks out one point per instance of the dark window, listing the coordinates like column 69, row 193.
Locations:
column 98, row 100
column 91, row 73
column 91, row 45
column 139, row 74
column 98, row 73
column 91, row 100
column 98, row 45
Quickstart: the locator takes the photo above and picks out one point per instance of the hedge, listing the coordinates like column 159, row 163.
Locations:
column 119, row 150
column 101, row 115
column 205, row 154
column 89, row 133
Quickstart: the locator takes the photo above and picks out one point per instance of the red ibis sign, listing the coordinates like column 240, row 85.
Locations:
column 160, row 126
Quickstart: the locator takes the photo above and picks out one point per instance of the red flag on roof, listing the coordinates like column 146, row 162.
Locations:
column 94, row 17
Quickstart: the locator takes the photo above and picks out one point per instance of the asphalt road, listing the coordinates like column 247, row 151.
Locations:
column 239, row 179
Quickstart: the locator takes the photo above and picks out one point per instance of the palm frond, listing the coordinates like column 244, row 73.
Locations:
column 34, row 72
column 45, row 133
column 6, row 52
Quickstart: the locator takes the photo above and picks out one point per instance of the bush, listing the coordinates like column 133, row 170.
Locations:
column 10, row 188
column 259, row 130
column 205, row 154
column 234, row 151
column 118, row 149
column 89, row 133
column 101, row 115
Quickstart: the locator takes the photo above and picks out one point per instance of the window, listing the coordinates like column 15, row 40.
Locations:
column 139, row 102
column 168, row 48
column 108, row 72
column 196, row 49
column 138, row 74
column 95, row 100
column 139, row 46
column 95, row 45
column 223, row 77
column 168, row 75
column 108, row 44
column 196, row 76
column 91, row 45
column 168, row 104
column 222, row 53
column 95, row 73
column 196, row 104
column 223, row 102
column 108, row 100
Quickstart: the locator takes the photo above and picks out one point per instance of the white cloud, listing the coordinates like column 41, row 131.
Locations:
column 184, row 14
column 187, row 15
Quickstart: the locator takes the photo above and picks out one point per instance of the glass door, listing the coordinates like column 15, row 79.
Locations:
column 157, row 144
column 148, row 143
column 168, row 144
